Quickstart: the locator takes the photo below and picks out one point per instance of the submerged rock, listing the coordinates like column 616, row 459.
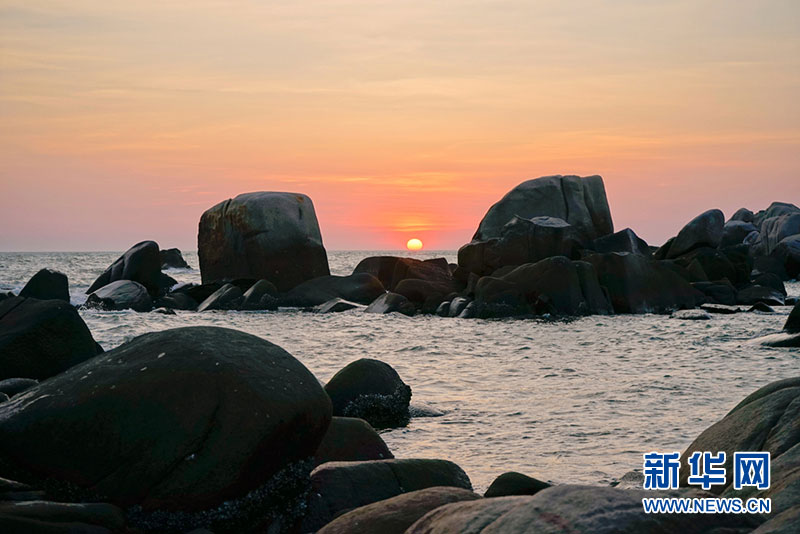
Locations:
column 370, row 390
column 121, row 295
column 47, row 284
column 513, row 483
column 262, row 235
column 41, row 338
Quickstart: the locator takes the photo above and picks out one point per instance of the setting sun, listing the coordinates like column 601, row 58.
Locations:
column 414, row 244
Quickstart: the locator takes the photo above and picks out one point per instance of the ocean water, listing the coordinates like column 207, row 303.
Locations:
column 574, row 401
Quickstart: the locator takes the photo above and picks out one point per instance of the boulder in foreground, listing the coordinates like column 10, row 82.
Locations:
column 269, row 235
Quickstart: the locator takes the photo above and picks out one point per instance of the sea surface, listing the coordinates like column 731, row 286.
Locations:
column 574, row 401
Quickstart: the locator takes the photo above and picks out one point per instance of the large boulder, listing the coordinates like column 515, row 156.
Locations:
column 571, row 509
column 274, row 236
column 391, row 270
column 172, row 258
column 47, row 284
column 773, row 230
column 190, row 427
column 338, row 487
column 395, row 515
column 141, row 263
column 362, row 288
column 579, row 201
column 121, row 295
column 636, row 284
column 734, row 232
column 350, row 439
column 41, row 338
column 705, row 230
column 623, row 241
column 370, row 390
column 743, row 215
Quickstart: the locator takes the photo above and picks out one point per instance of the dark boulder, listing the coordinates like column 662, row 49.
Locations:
column 335, row 306
column 349, row 439
column 141, row 263
column 776, row 209
column 739, row 257
column 422, row 293
column 392, row 270
column 761, row 307
column 717, row 292
column 579, row 201
column 172, row 258
column 338, row 487
column 705, row 230
column 47, row 284
column 743, row 215
column 709, row 264
column 787, row 255
column 13, row 386
column 228, row 297
column 164, row 311
column 722, row 309
column 623, row 241
column 770, row 280
column 792, row 322
column 636, row 284
column 395, row 515
column 274, row 236
column 189, row 427
column 734, row 232
column 513, row 483
column 773, row 230
column 177, row 300
column 121, row 295
column 391, row 302
column 261, row 296
column 41, row 338
column 370, row 390
column 457, row 306
column 362, row 288
column 755, row 293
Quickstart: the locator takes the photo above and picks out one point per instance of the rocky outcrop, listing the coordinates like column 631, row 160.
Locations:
column 705, row 230
column 120, row 295
column 370, row 390
column 47, row 284
column 338, row 487
column 734, row 232
column 362, row 288
column 269, row 235
column 513, row 483
column 141, row 263
column 41, row 338
column 172, row 258
column 190, row 427
column 350, row 439
column 395, row 515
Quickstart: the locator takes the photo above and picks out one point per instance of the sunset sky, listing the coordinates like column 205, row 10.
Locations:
column 124, row 121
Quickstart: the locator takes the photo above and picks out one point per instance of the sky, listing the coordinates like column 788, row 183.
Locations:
column 124, row 121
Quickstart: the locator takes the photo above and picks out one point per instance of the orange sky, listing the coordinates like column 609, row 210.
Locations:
column 120, row 123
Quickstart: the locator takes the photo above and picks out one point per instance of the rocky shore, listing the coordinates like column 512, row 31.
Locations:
column 208, row 429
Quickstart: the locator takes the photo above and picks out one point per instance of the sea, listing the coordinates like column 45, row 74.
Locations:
column 565, row 401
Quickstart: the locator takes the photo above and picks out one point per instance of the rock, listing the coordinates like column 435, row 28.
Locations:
column 443, row 309
column 743, row 215
column 623, row 241
column 783, row 523
column 773, row 230
column 141, row 263
column 755, row 293
column 121, row 295
column 581, row 202
column 172, row 258
column 761, row 307
column 513, row 483
column 47, row 284
column 190, row 427
column 349, row 439
column 41, row 338
column 423, row 293
column 720, row 308
column 703, row 230
column 770, row 280
column 32, row 517
column 396, row 514
column 3, row 397
column 780, row 340
column 13, row 386
column 261, row 296
column 335, row 306
column 691, row 315
column 717, row 292
column 787, row 255
column 636, row 284
column 469, row 312
column 457, row 305
column 177, row 300
column 734, row 232
column 228, row 297
column 710, row 264
column 362, row 288
column 391, row 302
column 338, row 487
column 391, row 270
column 594, row 295
column 164, row 311
column 274, row 236
column 792, row 322
column 739, row 257
column 370, row 390
column 776, row 209
column 573, row 509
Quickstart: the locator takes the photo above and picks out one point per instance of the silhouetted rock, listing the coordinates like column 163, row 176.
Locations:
column 370, row 390
column 770, row 280
column 350, row 439
column 141, row 263
column 792, row 322
column 755, row 293
column 47, row 284
column 775, row 229
column 743, row 215
column 13, row 386
column 395, row 515
column 44, row 517
column 120, row 295
column 338, row 487
column 710, row 264
column 424, row 278
column 720, row 308
column 274, row 236
column 261, row 296
column 703, row 230
column 188, row 427
column 391, row 302
column 776, row 209
column 335, row 306
column 172, row 258
column 41, row 338
column 177, row 301
column 721, row 292
column 787, row 255
column 362, row 288
column 228, row 297
column 623, row 241
column 513, row 483
column 761, row 307
column 734, row 232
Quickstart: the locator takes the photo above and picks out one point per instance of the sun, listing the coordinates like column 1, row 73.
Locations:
column 414, row 244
